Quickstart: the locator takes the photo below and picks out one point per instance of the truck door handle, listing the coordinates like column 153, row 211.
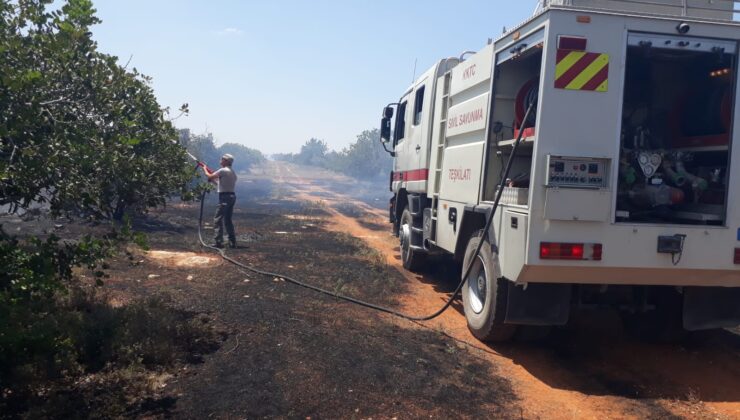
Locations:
column 418, row 147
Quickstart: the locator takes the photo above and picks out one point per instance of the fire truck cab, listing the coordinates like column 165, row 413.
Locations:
column 623, row 191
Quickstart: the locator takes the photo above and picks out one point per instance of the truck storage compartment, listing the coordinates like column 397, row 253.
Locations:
column 516, row 86
column 676, row 134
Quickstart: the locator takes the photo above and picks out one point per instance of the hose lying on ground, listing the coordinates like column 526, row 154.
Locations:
column 390, row 311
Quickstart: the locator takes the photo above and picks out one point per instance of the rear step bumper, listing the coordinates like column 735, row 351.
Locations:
column 629, row 276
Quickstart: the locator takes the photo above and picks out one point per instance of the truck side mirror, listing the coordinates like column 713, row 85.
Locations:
column 385, row 129
column 388, row 112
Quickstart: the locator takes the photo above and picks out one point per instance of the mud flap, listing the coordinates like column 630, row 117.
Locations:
column 707, row 308
column 539, row 304
column 428, row 226
column 392, row 210
column 415, row 205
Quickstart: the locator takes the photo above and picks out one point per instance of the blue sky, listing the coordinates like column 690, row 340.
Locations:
column 272, row 74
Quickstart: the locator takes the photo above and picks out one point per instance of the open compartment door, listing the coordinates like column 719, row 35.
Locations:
column 677, row 125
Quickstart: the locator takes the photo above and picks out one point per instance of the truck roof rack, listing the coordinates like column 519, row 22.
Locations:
column 708, row 9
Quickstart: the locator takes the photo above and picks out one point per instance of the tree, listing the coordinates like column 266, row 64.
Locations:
column 244, row 157
column 313, row 153
column 362, row 159
column 202, row 146
column 365, row 158
column 78, row 131
column 337, row 161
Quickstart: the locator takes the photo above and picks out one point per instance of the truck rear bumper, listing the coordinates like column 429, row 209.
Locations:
column 629, row 276
column 709, row 299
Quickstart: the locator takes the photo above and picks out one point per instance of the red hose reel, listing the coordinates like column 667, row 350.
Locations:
column 527, row 94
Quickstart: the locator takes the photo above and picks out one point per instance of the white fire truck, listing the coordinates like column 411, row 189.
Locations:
column 624, row 189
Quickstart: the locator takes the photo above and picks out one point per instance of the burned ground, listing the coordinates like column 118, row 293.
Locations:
column 589, row 369
column 277, row 350
column 291, row 352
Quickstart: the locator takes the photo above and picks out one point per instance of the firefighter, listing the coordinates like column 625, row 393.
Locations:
column 226, row 180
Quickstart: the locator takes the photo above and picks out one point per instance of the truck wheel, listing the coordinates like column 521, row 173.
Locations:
column 485, row 293
column 412, row 260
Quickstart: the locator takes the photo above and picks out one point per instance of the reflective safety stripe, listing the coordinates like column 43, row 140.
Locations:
column 415, row 175
column 578, row 70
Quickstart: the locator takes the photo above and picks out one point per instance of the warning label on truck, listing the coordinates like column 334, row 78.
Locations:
column 580, row 70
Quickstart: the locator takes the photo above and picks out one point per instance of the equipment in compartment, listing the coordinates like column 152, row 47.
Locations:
column 515, row 196
column 516, row 87
column 676, row 124
column 647, row 196
column 526, row 96
column 673, row 185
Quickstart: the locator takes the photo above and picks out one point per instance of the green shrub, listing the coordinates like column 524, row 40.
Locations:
column 32, row 340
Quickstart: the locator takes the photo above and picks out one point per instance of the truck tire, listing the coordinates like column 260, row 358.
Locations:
column 412, row 259
column 485, row 293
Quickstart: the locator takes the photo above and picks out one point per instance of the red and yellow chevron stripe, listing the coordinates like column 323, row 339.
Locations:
column 580, row 70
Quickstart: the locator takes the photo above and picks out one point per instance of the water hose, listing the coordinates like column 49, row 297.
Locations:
column 502, row 185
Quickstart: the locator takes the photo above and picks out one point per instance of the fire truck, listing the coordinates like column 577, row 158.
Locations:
column 624, row 182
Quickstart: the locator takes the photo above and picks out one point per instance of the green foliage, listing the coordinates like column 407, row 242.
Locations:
column 78, row 131
column 313, row 153
column 38, row 268
column 244, row 157
column 34, row 273
column 364, row 158
column 79, row 134
column 204, row 148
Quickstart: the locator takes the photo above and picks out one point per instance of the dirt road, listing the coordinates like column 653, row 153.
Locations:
column 591, row 370
column 288, row 352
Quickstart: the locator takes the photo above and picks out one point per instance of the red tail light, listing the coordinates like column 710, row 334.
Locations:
column 597, row 252
column 576, row 251
column 737, row 255
column 570, row 251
